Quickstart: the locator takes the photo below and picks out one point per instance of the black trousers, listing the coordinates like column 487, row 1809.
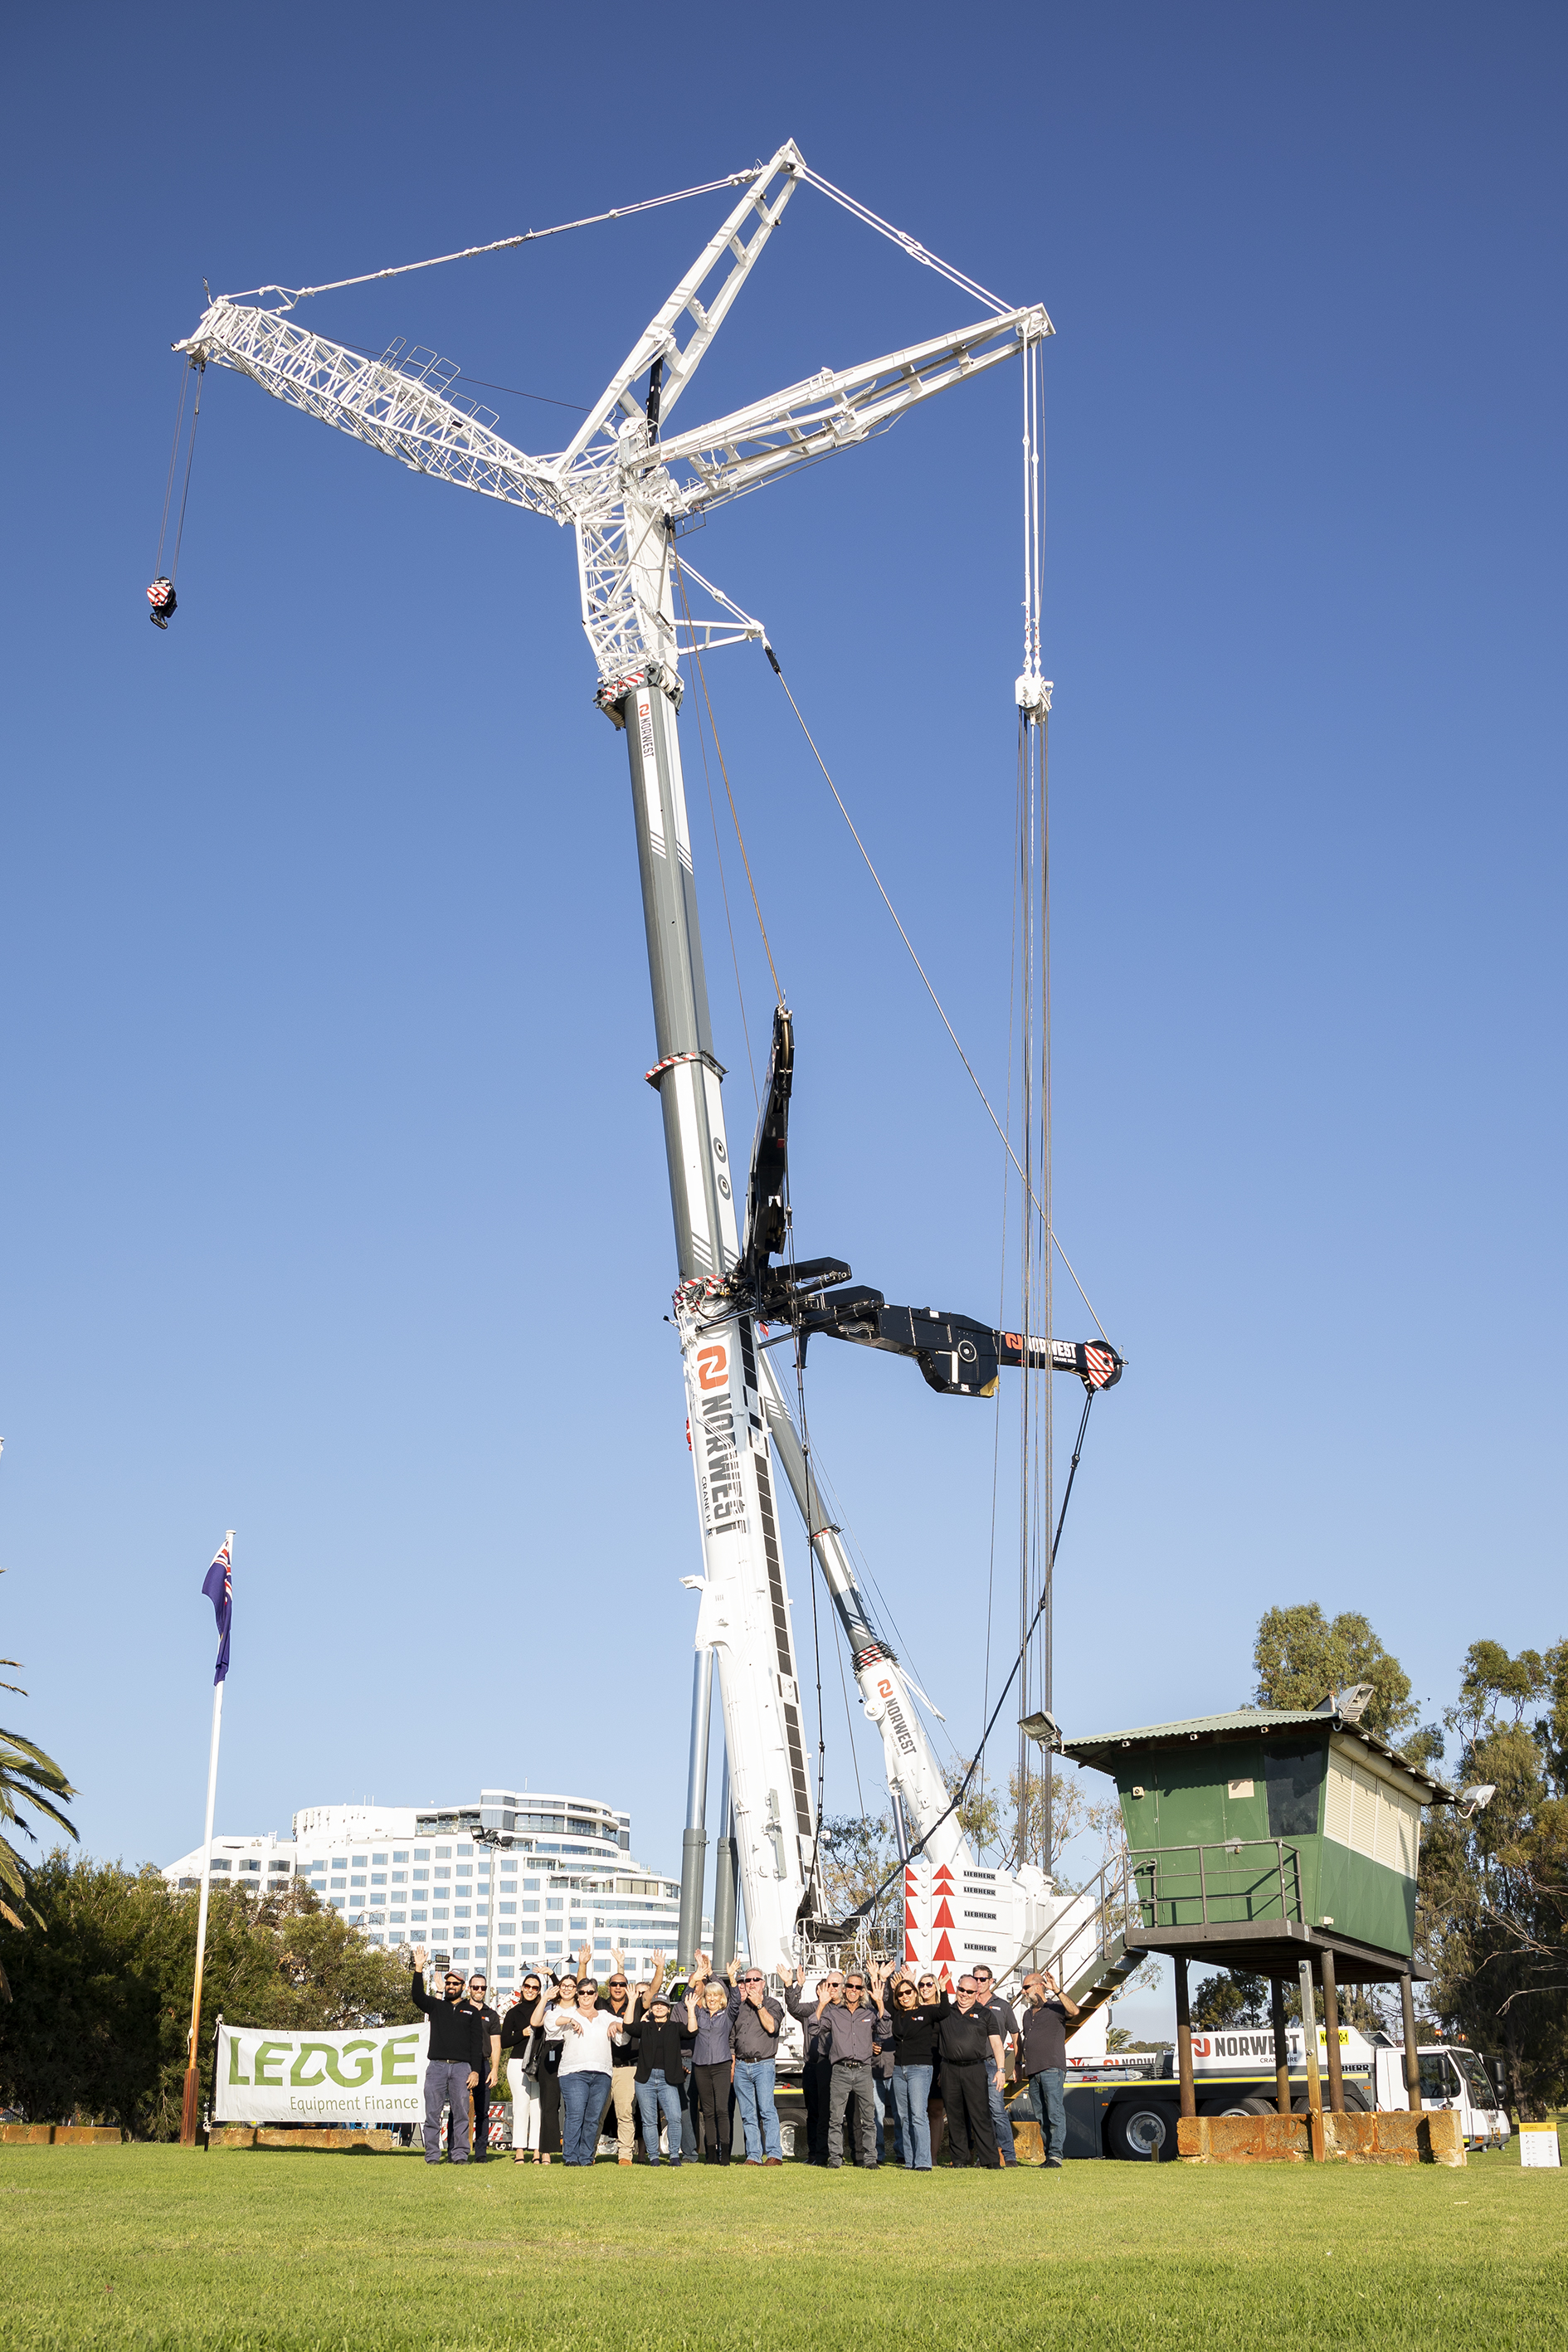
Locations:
column 481, row 2146
column 549, row 2113
column 712, row 2087
column 966, row 2095
column 816, row 2082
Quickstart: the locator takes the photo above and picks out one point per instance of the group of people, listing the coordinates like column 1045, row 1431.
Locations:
column 909, row 2055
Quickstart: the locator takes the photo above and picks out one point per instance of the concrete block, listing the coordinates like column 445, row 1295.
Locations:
column 25, row 2134
column 1026, row 2139
column 88, row 2136
column 223, row 2136
column 329, row 2141
column 1398, row 2139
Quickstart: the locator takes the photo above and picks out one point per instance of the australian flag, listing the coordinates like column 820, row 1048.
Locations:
column 219, row 1586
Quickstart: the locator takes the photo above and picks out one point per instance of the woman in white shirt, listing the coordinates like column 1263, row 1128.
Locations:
column 587, row 2035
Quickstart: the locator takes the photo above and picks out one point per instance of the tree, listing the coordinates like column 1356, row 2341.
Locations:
column 854, row 1853
column 1230, row 1999
column 1493, row 1891
column 97, row 2031
column 28, row 1776
column 1300, row 1656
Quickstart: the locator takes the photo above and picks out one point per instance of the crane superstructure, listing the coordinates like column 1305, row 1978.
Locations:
column 625, row 485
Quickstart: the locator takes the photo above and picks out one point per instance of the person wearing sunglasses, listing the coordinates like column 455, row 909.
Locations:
column 816, row 2065
column 1005, row 2019
column 587, row 2035
column 966, row 2037
column 521, row 2040
column 756, row 2016
column 618, row 2000
column 852, row 2022
column 457, row 2053
column 712, row 2027
column 479, row 2001
column 912, row 2020
column 1043, row 2057
column 558, row 1993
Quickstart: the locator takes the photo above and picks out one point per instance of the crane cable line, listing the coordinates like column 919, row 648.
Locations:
column 863, row 1910
column 985, row 1100
column 500, row 244
column 723, row 770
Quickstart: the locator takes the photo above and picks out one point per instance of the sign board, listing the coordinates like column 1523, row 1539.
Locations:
column 372, row 2074
column 1539, row 2144
column 1251, row 2046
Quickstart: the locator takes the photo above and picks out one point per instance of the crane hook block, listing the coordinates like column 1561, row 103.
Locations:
column 162, row 598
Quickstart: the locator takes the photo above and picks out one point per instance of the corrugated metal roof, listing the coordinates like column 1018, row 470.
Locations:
column 1241, row 1718
column 1089, row 1747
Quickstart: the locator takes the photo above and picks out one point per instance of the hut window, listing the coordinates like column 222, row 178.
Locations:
column 1292, row 1777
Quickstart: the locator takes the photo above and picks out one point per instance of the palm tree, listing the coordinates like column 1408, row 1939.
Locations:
column 27, row 1777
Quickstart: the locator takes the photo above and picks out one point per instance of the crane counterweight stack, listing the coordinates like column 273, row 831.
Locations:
column 625, row 483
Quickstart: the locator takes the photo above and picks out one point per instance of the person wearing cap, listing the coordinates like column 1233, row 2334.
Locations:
column 1043, row 2058
column 817, row 2065
column 966, row 2037
column 624, row 2007
column 489, row 2019
column 657, row 2037
column 1005, row 2019
column 522, row 2042
column 756, row 2018
column 454, row 2063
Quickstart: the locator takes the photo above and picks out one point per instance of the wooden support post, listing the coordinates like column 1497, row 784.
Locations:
column 1184, row 2040
column 1331, row 2029
column 1412, row 2047
column 1314, row 2079
column 1281, row 2049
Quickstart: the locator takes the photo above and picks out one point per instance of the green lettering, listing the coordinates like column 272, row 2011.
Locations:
column 396, row 2051
column 234, row 2074
column 299, row 2078
column 366, row 2065
column 269, row 2054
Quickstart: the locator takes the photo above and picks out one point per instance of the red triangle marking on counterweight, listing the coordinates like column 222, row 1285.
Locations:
column 944, row 1918
column 944, row 1873
column 909, row 1951
column 910, row 1921
column 943, row 1950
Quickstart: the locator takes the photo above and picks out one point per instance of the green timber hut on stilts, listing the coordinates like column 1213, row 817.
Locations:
column 1264, row 1839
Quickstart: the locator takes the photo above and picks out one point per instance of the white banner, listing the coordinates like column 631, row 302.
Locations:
column 372, row 2075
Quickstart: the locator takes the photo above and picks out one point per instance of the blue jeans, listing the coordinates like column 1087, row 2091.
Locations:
column 656, row 2097
column 912, row 2093
column 583, row 2100
column 1050, row 2109
column 887, row 2119
column 759, row 2117
column 999, row 2123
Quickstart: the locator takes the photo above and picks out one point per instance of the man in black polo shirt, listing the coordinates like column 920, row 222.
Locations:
column 452, row 2070
column 1043, row 2057
column 1007, row 2024
column 491, row 2020
column 966, row 2037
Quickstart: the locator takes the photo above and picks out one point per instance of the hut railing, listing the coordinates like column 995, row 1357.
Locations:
column 1217, row 1883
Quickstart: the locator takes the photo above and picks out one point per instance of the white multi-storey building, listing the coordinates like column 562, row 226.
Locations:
column 518, row 1879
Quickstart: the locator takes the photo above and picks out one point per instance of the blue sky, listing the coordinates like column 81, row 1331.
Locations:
column 335, row 1206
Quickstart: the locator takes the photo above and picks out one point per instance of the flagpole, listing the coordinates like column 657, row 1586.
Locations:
column 192, row 2084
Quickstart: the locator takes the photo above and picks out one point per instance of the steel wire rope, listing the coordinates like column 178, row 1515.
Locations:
column 942, row 1015
column 502, row 244
column 186, row 492
column 723, row 770
column 185, row 374
column 725, row 892
column 862, row 1910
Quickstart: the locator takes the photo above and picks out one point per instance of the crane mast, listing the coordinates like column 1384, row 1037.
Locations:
column 624, row 485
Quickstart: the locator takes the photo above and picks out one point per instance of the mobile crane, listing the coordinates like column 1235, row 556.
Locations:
column 624, row 485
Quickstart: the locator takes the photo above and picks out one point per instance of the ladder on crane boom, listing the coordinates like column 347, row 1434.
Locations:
column 624, row 486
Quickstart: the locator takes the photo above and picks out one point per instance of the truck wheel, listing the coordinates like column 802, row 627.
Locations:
column 1247, row 2106
column 1356, row 2100
column 1143, row 2131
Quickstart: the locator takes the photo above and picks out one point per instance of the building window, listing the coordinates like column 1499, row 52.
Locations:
column 463, row 1911
column 399, row 1877
column 402, row 1856
column 553, row 1948
column 419, row 1875
column 421, row 1854
column 419, row 1917
column 529, row 1951
column 553, row 1903
column 442, row 1874
column 337, row 1902
column 399, row 1918
column 357, row 1882
column 531, row 1886
column 439, row 1912
column 444, row 1853
column 507, row 1910
column 506, row 1951
column 465, row 1870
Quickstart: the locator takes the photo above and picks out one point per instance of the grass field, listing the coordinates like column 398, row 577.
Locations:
column 146, row 2245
